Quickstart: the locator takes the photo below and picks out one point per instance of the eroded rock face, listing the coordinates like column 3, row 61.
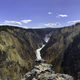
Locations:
column 17, row 47
column 60, row 45
column 43, row 71
column 18, row 50
column 78, row 75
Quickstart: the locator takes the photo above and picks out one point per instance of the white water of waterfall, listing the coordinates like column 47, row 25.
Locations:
column 38, row 55
column 46, row 38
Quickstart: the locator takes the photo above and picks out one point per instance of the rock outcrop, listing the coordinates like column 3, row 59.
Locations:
column 43, row 71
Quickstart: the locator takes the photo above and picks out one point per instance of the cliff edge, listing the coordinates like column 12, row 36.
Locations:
column 43, row 71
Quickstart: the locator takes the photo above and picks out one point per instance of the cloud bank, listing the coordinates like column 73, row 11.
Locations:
column 73, row 22
column 13, row 22
column 16, row 22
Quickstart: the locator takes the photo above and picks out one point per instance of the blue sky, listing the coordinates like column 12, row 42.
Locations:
column 39, row 13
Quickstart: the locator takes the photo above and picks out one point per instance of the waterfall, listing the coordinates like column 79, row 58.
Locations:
column 38, row 55
column 46, row 39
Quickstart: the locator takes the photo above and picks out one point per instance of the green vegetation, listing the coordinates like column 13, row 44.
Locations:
column 6, row 27
column 3, row 56
column 12, row 71
column 77, row 24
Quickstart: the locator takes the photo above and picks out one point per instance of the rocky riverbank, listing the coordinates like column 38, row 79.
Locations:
column 43, row 71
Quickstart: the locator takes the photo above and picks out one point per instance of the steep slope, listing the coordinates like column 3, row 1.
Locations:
column 54, row 50
column 71, row 61
column 17, row 51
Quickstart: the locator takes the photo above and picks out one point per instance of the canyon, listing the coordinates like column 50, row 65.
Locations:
column 20, row 48
column 42, row 70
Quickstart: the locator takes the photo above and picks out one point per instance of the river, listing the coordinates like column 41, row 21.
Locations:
column 38, row 55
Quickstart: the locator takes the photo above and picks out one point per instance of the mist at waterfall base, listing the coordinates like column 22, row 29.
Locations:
column 38, row 55
column 46, row 39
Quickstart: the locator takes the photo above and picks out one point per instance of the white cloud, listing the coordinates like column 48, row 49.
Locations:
column 13, row 22
column 15, row 25
column 73, row 22
column 49, row 12
column 61, row 15
column 57, row 23
column 37, row 27
column 25, row 21
column 24, row 27
column 52, row 24
column 49, row 24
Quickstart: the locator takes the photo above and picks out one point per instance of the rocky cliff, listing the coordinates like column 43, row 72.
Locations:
column 18, row 46
column 54, row 50
column 43, row 71
column 17, row 51
column 71, row 58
